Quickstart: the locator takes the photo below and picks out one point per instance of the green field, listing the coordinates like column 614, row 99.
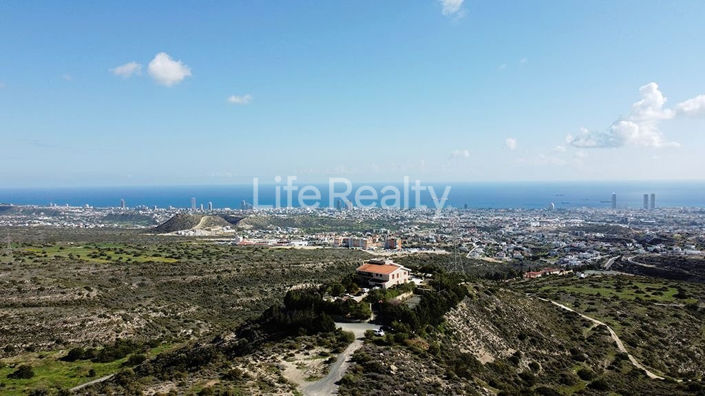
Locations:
column 52, row 373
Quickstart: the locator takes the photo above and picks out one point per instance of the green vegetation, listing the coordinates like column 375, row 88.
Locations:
column 157, row 288
column 471, row 268
column 50, row 371
column 79, row 305
column 661, row 322
column 446, row 292
column 504, row 341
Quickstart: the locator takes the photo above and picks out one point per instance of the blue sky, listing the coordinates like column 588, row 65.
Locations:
column 144, row 93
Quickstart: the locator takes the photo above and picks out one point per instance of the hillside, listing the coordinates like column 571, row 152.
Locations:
column 187, row 221
column 499, row 341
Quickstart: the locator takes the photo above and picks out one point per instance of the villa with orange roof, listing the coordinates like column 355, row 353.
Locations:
column 382, row 273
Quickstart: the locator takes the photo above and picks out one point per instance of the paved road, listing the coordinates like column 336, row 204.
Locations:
column 609, row 262
column 631, row 260
column 614, row 336
column 326, row 385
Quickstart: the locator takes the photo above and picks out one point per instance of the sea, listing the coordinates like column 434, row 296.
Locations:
column 490, row 195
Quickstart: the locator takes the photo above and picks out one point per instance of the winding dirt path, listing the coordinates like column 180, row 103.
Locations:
column 615, row 337
column 89, row 383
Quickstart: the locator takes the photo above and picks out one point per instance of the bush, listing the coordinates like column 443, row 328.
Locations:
column 528, row 377
column 568, row 378
column 23, row 372
column 234, row 374
column 546, row 391
column 134, row 360
column 74, row 354
column 599, row 384
column 586, row 374
column 118, row 350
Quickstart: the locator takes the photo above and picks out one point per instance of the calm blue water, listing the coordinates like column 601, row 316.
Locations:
column 527, row 195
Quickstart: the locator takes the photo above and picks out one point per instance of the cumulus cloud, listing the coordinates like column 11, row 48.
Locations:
column 167, row 71
column 67, row 77
column 641, row 126
column 692, row 107
column 241, row 100
column 511, row 143
column 451, row 7
column 127, row 70
column 460, row 153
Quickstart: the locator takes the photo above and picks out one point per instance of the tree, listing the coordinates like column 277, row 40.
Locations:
column 337, row 289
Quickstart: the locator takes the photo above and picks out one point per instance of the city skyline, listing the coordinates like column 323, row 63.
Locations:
column 436, row 90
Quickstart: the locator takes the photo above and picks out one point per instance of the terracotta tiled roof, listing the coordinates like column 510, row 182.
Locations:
column 378, row 268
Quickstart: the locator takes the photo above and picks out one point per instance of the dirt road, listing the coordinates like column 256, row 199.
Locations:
column 614, row 336
column 326, row 385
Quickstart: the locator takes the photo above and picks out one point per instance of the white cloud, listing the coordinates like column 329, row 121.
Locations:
column 639, row 128
column 464, row 153
column 167, row 71
column 241, row 100
column 127, row 70
column 523, row 61
column 452, row 7
column 503, row 66
column 511, row 143
column 66, row 77
column 559, row 149
column 2, row 85
column 692, row 107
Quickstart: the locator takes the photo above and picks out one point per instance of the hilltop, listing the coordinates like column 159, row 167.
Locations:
column 187, row 221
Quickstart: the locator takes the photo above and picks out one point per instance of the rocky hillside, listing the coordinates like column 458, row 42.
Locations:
column 499, row 341
column 187, row 221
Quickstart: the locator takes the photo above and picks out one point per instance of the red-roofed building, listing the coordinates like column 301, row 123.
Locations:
column 382, row 273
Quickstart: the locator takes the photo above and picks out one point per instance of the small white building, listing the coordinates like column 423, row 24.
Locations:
column 382, row 273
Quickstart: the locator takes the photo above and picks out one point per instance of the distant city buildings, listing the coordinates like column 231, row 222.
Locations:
column 653, row 201
column 193, row 203
column 122, row 203
column 614, row 200
column 646, row 201
column 392, row 244
column 353, row 242
column 210, row 206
